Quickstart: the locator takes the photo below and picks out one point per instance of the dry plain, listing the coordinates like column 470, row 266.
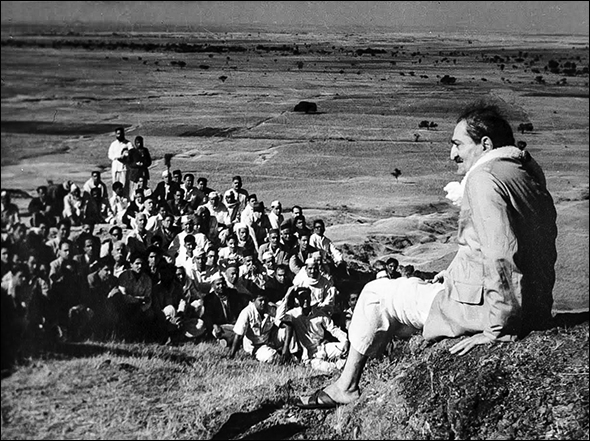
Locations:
column 222, row 102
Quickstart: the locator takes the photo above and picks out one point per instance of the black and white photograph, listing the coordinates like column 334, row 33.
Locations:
column 295, row 220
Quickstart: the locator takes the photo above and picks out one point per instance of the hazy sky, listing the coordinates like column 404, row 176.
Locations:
column 554, row 17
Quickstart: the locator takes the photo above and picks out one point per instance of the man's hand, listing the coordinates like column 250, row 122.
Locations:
column 439, row 278
column 217, row 331
column 465, row 345
column 345, row 349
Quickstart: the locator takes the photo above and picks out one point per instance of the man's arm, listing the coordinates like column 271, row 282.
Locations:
column 236, row 343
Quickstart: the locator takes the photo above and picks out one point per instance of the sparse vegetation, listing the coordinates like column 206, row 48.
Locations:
column 416, row 391
column 337, row 163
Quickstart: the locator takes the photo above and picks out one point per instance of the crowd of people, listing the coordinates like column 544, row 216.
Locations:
column 183, row 261
column 177, row 262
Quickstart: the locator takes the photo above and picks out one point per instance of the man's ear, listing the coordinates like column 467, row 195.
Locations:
column 487, row 144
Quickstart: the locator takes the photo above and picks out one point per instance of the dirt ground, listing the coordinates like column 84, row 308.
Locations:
column 224, row 106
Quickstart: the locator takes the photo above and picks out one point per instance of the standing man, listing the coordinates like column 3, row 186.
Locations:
column 139, row 162
column 240, row 195
column 498, row 287
column 119, row 154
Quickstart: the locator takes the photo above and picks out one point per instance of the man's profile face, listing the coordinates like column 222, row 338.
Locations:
column 231, row 274
column 120, row 134
column 303, row 242
column 465, row 152
column 149, row 205
column 4, row 255
column 105, row 272
column 137, row 265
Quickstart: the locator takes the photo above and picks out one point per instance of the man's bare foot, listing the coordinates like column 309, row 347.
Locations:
column 341, row 396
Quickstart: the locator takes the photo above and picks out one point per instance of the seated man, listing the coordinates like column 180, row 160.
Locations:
column 277, row 286
column 134, row 299
column 274, row 245
column 319, row 240
column 41, row 208
column 303, row 252
column 323, row 291
column 102, row 287
column 221, row 309
column 311, row 326
column 256, row 328
column 10, row 212
column 95, row 181
column 165, row 189
column 490, row 291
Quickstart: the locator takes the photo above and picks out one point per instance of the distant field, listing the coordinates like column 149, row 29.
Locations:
column 224, row 106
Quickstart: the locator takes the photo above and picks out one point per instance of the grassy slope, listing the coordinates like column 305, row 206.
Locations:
column 417, row 391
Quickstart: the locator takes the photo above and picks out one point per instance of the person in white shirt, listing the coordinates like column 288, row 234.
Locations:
column 240, row 195
column 247, row 216
column 119, row 204
column 256, row 328
column 95, row 181
column 331, row 255
column 118, row 154
column 323, row 291
column 275, row 216
column 311, row 326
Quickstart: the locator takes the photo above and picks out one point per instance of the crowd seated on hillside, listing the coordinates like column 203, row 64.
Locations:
column 177, row 262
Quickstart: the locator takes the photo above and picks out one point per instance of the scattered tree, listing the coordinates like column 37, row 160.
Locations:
column 525, row 127
column 448, row 80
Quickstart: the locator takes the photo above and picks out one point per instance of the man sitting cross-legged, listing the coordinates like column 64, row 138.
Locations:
column 311, row 326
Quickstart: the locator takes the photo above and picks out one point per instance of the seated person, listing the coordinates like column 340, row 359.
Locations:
column 221, row 309
column 252, row 273
column 277, row 286
column 73, row 206
column 102, row 287
column 134, row 299
column 391, row 266
column 379, row 268
column 230, row 253
column 310, row 327
column 191, row 307
column 256, row 328
column 319, row 240
column 323, row 291
column 347, row 313
column 41, row 208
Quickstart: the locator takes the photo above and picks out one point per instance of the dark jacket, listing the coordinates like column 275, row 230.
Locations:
column 139, row 161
